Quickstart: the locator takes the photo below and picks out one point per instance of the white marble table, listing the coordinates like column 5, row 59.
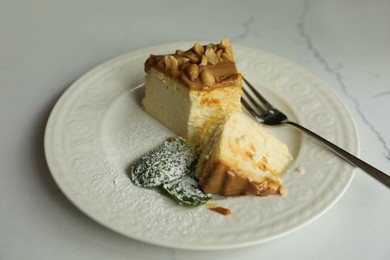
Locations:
column 46, row 45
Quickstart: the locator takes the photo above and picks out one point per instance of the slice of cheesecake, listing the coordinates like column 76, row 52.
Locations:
column 240, row 158
column 189, row 90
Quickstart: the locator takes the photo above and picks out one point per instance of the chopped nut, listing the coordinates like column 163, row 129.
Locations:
column 219, row 53
column 179, row 53
column 207, row 78
column 226, row 56
column 167, row 62
column 192, row 56
column 174, row 63
column 211, row 56
column 229, row 51
column 198, row 49
column 212, row 46
column 161, row 64
column 182, row 60
column 185, row 66
column 224, row 43
column 193, row 72
column 203, row 61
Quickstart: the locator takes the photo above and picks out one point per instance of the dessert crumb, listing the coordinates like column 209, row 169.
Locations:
column 283, row 191
column 300, row 170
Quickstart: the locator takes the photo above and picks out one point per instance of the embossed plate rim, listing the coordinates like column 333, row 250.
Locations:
column 56, row 145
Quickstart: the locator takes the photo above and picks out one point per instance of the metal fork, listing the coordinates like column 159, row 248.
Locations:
column 265, row 113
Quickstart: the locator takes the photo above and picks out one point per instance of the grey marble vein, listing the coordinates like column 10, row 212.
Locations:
column 382, row 94
column 339, row 78
column 247, row 24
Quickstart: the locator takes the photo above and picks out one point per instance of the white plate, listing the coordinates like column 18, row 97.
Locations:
column 98, row 128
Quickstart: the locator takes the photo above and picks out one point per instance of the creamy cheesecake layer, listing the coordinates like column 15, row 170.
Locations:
column 240, row 158
column 187, row 112
column 168, row 101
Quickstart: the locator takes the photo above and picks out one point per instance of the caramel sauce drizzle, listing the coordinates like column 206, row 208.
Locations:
column 219, row 209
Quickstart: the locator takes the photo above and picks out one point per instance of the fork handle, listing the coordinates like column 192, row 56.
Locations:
column 355, row 161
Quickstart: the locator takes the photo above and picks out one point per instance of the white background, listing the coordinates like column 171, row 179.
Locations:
column 46, row 45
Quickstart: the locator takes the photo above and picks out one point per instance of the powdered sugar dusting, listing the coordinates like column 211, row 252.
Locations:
column 168, row 162
column 123, row 142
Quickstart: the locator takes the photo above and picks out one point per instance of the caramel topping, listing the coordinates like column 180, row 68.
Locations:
column 203, row 67
column 223, row 180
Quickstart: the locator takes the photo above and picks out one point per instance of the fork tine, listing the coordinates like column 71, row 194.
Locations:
column 266, row 113
column 253, row 102
column 248, row 107
column 257, row 94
